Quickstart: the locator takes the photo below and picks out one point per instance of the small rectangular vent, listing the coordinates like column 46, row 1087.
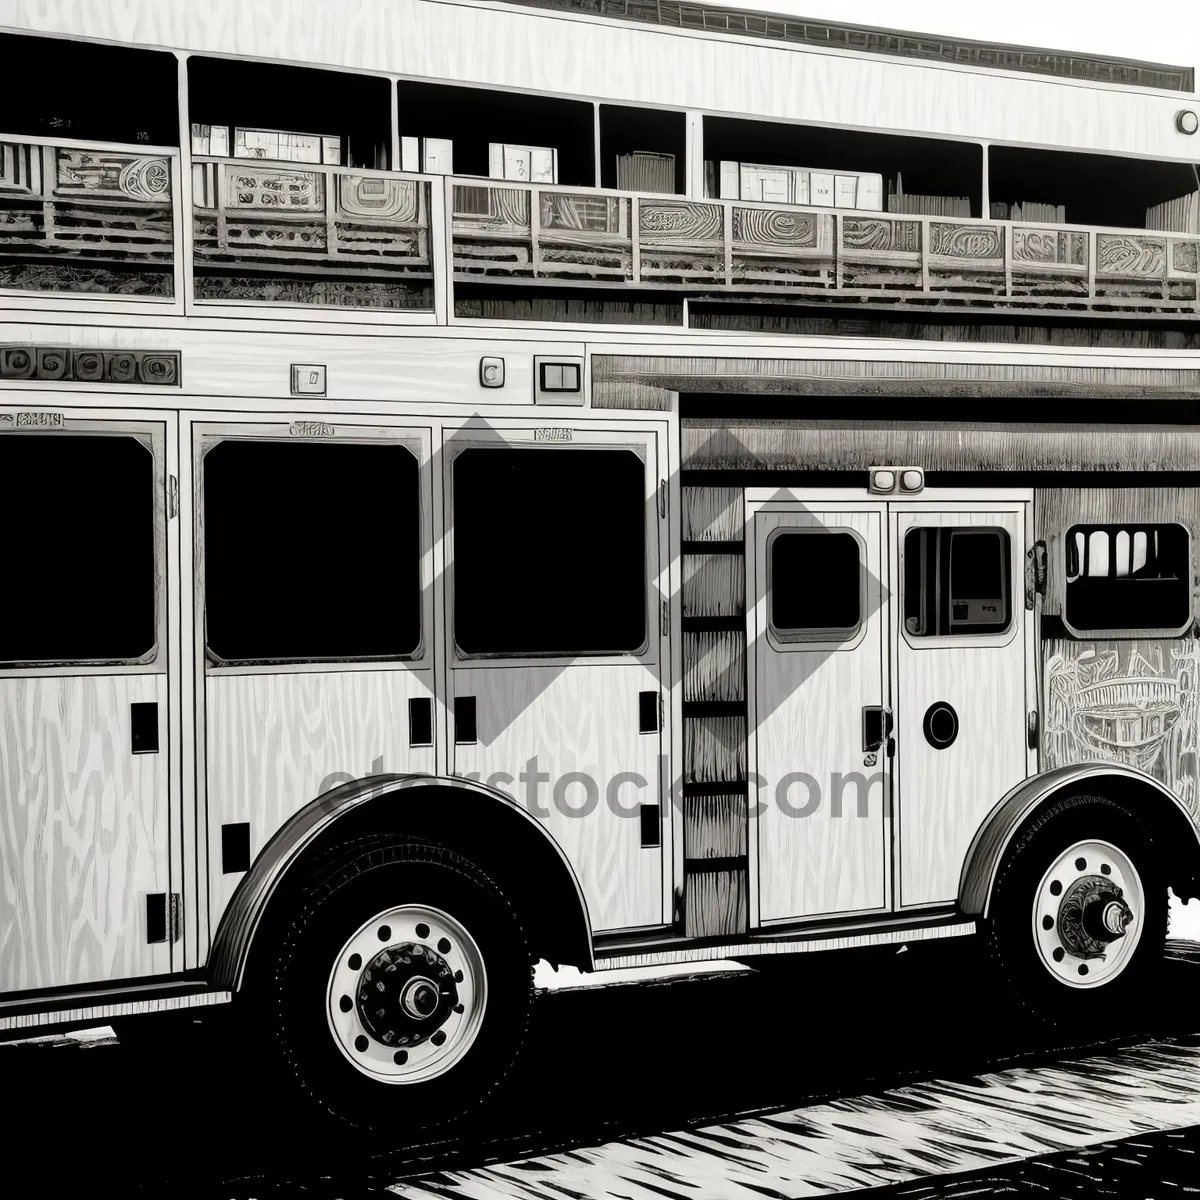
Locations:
column 420, row 721
column 464, row 720
column 651, row 815
column 235, row 847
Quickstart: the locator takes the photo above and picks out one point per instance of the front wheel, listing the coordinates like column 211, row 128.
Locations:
column 400, row 993
column 1078, row 916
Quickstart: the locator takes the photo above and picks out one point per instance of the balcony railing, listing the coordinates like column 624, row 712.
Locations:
column 86, row 220
column 565, row 236
column 310, row 235
column 101, row 221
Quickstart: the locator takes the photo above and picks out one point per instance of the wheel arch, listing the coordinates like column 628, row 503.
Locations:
column 1165, row 815
column 479, row 822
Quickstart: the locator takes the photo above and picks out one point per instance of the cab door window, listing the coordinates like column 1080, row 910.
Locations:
column 957, row 581
column 815, row 584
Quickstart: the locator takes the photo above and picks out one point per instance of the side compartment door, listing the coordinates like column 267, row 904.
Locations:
column 960, row 671
column 555, row 648
column 818, row 714
column 314, row 617
column 86, row 678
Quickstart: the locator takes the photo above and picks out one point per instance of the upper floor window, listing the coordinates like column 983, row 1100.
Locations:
column 85, row 91
column 1128, row 577
column 287, row 113
column 80, row 583
column 957, row 581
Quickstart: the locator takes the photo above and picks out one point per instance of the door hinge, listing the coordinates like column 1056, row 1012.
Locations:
column 662, row 499
column 664, row 619
column 172, row 497
column 1031, row 730
column 175, row 916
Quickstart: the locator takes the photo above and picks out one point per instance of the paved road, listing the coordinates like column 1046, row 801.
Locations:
column 828, row 1075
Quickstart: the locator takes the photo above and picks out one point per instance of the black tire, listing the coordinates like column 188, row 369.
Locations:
column 290, row 1000
column 1119, row 1004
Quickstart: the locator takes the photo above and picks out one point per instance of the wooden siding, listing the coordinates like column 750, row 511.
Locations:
column 717, row 904
column 276, row 741
column 83, row 834
column 579, row 720
column 714, row 585
column 715, row 826
column 842, row 446
column 775, row 26
column 1129, row 701
column 712, row 514
column 1057, row 509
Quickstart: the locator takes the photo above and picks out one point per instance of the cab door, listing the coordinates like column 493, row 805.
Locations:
column 88, row 674
column 960, row 662
column 818, row 628
column 556, row 654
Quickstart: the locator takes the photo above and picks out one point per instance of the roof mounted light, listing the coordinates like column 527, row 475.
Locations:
column 1186, row 121
column 886, row 481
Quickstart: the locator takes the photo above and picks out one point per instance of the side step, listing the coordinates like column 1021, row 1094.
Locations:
column 74, row 1009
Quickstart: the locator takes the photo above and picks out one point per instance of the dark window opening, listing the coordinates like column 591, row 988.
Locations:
column 79, row 552
column 909, row 167
column 1090, row 189
column 1128, row 577
column 957, row 581
column 643, row 149
column 816, row 584
column 52, row 87
column 472, row 120
column 549, row 551
column 311, row 551
column 225, row 95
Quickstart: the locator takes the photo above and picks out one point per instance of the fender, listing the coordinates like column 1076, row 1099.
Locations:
column 994, row 836
column 302, row 831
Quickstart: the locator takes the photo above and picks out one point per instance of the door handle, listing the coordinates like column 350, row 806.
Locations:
column 876, row 728
column 872, row 727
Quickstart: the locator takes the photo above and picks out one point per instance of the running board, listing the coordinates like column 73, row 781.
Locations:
column 86, row 1008
column 827, row 939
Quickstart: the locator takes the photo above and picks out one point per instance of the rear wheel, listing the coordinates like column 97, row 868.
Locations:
column 1078, row 916
column 400, row 994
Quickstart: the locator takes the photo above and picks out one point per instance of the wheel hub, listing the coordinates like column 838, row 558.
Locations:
column 1092, row 914
column 405, row 994
column 1088, row 914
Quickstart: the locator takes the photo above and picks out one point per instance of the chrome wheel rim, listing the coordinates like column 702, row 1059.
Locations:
column 407, row 994
column 1088, row 914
